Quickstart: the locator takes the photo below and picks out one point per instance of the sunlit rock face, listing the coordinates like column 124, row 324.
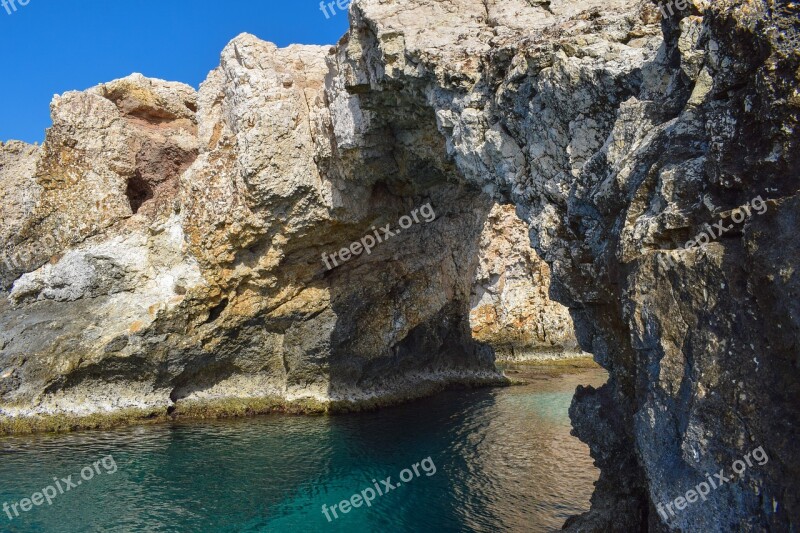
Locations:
column 251, row 240
column 511, row 307
column 619, row 134
column 176, row 246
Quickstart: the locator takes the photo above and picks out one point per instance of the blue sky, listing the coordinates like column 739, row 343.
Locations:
column 52, row 46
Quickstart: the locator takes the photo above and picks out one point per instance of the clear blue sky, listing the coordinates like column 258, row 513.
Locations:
column 52, row 46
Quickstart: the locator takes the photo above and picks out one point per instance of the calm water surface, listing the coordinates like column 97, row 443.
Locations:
column 504, row 462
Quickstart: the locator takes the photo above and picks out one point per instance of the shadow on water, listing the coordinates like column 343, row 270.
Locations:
column 504, row 460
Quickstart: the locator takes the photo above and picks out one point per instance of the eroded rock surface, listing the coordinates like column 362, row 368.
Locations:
column 189, row 241
column 617, row 135
column 511, row 307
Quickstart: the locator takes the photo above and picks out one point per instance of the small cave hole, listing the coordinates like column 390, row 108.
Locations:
column 216, row 312
column 138, row 192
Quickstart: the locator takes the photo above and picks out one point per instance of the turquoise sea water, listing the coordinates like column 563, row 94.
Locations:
column 504, row 461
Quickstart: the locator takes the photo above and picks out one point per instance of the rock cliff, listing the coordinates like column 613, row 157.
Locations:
column 187, row 247
column 511, row 306
column 168, row 247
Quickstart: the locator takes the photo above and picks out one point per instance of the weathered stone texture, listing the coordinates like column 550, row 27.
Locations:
column 511, row 307
column 617, row 135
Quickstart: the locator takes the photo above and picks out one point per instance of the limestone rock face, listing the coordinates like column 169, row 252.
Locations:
column 111, row 151
column 619, row 135
column 511, row 307
column 174, row 246
column 19, row 192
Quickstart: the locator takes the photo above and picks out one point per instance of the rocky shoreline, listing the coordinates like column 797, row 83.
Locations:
column 20, row 421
